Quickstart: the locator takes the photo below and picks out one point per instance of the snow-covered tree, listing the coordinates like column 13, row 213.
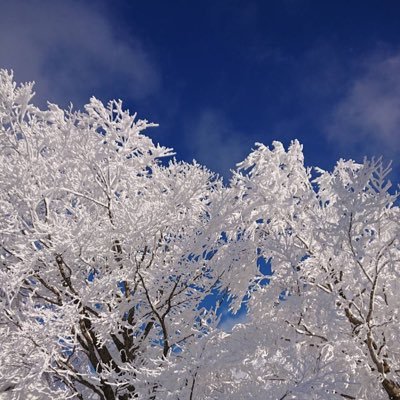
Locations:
column 327, row 325
column 110, row 250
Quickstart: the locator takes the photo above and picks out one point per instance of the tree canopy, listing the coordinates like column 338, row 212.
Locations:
column 111, row 251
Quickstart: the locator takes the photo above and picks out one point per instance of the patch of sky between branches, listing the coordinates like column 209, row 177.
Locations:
column 221, row 300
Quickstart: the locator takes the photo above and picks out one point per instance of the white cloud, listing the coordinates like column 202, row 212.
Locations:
column 228, row 320
column 216, row 144
column 368, row 115
column 72, row 50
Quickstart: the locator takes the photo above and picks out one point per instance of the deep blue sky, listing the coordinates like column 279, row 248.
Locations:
column 220, row 75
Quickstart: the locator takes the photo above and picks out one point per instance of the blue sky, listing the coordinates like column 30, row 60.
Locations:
column 220, row 75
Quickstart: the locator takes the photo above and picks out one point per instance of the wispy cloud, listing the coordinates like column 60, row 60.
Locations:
column 216, row 143
column 72, row 50
column 367, row 116
column 229, row 320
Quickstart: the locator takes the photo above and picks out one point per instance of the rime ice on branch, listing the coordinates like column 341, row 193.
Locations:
column 109, row 254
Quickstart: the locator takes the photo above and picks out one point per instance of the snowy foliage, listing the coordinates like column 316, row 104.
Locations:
column 111, row 250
